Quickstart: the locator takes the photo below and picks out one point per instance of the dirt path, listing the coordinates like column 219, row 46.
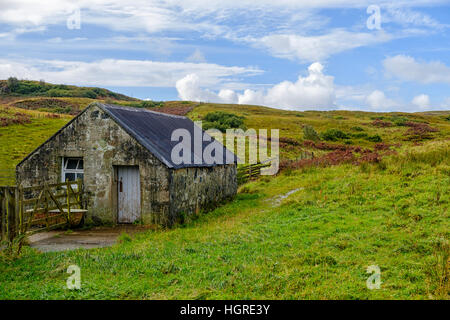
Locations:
column 98, row 237
column 276, row 201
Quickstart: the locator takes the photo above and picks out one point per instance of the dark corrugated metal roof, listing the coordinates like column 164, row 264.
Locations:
column 153, row 130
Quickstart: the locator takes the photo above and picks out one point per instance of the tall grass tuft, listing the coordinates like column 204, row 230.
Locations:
column 439, row 271
column 309, row 133
column 432, row 154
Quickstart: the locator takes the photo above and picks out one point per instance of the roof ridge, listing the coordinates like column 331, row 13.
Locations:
column 134, row 109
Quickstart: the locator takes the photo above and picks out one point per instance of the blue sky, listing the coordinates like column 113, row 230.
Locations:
column 297, row 55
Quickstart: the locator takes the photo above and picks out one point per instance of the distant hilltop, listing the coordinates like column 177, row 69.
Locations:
column 29, row 88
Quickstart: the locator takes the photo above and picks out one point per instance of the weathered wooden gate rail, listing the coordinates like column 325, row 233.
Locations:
column 251, row 171
column 245, row 173
column 25, row 210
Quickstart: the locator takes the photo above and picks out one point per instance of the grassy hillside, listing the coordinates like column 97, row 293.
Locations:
column 376, row 193
column 315, row 244
column 20, row 88
column 393, row 130
column 20, row 133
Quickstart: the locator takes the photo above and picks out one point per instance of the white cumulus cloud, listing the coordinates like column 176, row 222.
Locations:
column 315, row 91
column 421, row 101
column 117, row 72
column 446, row 104
column 378, row 101
column 408, row 69
column 318, row 48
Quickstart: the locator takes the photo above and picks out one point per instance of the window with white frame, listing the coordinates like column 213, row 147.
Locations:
column 72, row 169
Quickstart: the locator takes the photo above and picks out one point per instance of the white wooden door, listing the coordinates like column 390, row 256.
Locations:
column 129, row 191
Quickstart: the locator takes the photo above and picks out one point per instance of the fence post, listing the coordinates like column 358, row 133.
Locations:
column 80, row 193
column 46, row 213
column 2, row 214
column 16, row 211
column 68, row 200
column 11, row 214
column 21, row 210
column 6, row 208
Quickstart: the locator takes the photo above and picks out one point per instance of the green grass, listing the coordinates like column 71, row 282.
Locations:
column 316, row 245
column 18, row 140
column 15, row 87
column 356, row 124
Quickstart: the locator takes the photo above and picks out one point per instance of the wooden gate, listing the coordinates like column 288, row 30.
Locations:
column 8, row 205
column 26, row 210
column 251, row 171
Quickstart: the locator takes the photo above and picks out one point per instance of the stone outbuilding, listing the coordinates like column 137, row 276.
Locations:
column 124, row 157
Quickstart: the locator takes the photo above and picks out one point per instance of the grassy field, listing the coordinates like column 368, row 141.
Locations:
column 308, row 233
column 315, row 244
column 18, row 139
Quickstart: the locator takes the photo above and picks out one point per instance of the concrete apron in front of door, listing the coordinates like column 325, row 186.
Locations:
column 88, row 239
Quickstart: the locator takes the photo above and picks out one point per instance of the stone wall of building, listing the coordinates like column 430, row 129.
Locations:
column 195, row 189
column 167, row 195
column 102, row 144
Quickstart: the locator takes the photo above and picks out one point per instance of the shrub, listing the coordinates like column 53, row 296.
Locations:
column 359, row 135
column 375, row 138
column 29, row 88
column 310, row 134
column 223, row 121
column 58, row 93
column 13, row 84
column 4, row 89
column 89, row 94
column 357, row 129
column 399, row 121
column 334, row 135
column 151, row 104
